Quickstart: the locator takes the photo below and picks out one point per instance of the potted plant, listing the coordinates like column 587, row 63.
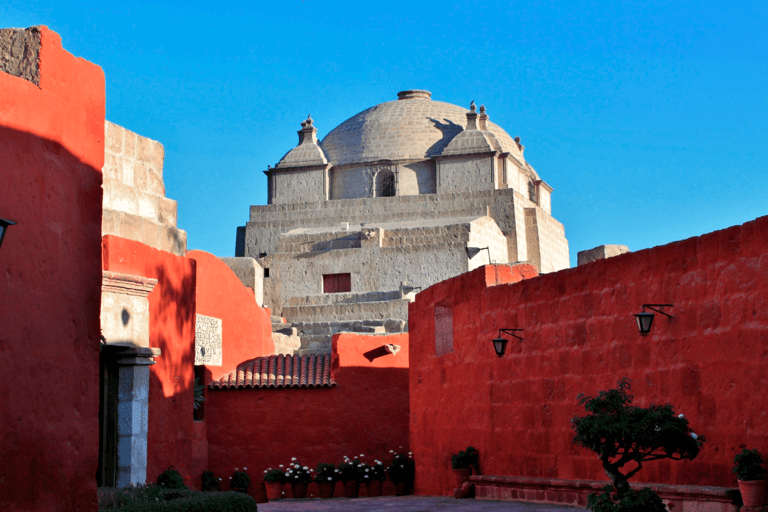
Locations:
column 326, row 476
column 377, row 475
column 462, row 464
column 401, row 471
column 171, row 479
column 751, row 475
column 240, row 481
column 299, row 476
column 348, row 473
column 273, row 481
column 209, row 482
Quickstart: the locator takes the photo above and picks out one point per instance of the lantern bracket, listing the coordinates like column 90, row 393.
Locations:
column 659, row 308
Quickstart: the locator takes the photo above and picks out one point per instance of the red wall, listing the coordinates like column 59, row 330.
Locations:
column 366, row 413
column 172, row 430
column 581, row 337
column 246, row 328
column 52, row 147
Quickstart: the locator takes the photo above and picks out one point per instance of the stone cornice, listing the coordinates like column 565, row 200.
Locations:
column 126, row 284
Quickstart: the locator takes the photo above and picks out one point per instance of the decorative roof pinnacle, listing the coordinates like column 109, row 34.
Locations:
column 482, row 119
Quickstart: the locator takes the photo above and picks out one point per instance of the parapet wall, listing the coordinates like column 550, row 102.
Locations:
column 581, row 337
column 135, row 206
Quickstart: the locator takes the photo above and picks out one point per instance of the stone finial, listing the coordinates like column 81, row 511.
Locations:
column 482, row 119
column 308, row 132
column 472, row 116
column 519, row 146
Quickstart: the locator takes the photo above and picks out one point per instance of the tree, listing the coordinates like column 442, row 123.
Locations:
column 621, row 433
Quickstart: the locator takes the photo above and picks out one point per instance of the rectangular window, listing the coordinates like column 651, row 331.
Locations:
column 443, row 329
column 266, row 272
column 337, row 283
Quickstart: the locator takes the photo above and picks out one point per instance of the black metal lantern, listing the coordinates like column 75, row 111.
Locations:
column 474, row 251
column 3, row 228
column 645, row 320
column 500, row 344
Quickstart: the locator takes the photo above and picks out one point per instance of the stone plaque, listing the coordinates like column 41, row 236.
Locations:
column 207, row 340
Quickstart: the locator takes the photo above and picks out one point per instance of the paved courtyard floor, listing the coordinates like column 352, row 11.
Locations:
column 409, row 504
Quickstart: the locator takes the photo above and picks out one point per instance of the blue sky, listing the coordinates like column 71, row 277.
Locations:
column 649, row 119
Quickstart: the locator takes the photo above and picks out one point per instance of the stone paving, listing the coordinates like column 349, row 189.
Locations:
column 408, row 504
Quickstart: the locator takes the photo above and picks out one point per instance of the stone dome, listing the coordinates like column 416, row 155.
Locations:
column 412, row 127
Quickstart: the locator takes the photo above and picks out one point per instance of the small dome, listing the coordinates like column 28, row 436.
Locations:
column 413, row 127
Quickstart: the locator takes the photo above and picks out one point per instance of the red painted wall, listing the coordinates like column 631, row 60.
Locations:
column 581, row 337
column 367, row 413
column 172, row 430
column 246, row 328
column 52, row 147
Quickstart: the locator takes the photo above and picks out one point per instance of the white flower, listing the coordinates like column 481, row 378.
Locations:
column 219, row 479
column 265, row 470
column 281, row 465
column 236, row 469
column 402, row 466
column 305, row 467
column 410, row 453
column 245, row 469
column 362, row 455
column 366, row 476
column 400, row 447
column 230, row 478
column 330, row 478
column 366, row 472
column 693, row 435
column 680, row 416
column 293, row 458
column 658, row 428
column 297, row 477
column 391, row 451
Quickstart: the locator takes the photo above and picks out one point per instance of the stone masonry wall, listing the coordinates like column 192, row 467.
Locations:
column 135, row 206
column 506, row 207
column 581, row 337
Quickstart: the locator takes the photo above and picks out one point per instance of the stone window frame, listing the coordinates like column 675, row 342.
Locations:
column 385, row 189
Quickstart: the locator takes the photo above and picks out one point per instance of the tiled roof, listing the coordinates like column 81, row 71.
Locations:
column 280, row 372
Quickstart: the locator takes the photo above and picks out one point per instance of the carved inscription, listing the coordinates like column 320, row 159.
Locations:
column 207, row 340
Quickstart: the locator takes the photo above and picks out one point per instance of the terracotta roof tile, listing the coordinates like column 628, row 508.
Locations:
column 279, row 372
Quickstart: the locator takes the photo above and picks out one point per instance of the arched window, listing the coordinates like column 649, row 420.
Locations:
column 385, row 184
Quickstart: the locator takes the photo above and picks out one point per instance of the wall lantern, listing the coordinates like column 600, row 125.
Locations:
column 500, row 344
column 3, row 228
column 474, row 251
column 645, row 320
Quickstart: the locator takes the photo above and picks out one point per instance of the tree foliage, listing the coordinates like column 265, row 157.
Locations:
column 621, row 434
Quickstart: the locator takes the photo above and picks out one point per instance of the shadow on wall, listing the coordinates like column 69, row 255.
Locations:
column 175, row 308
column 50, row 279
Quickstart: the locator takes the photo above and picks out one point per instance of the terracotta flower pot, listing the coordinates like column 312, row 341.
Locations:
column 374, row 487
column 752, row 492
column 399, row 488
column 274, row 490
column 351, row 489
column 460, row 476
column 326, row 489
column 299, row 490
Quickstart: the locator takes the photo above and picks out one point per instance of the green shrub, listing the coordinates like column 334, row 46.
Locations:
column 748, row 465
column 464, row 459
column 209, row 481
column 116, row 499
column 240, row 480
column 199, row 502
column 644, row 500
column 171, row 479
column 402, row 468
column 324, row 473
